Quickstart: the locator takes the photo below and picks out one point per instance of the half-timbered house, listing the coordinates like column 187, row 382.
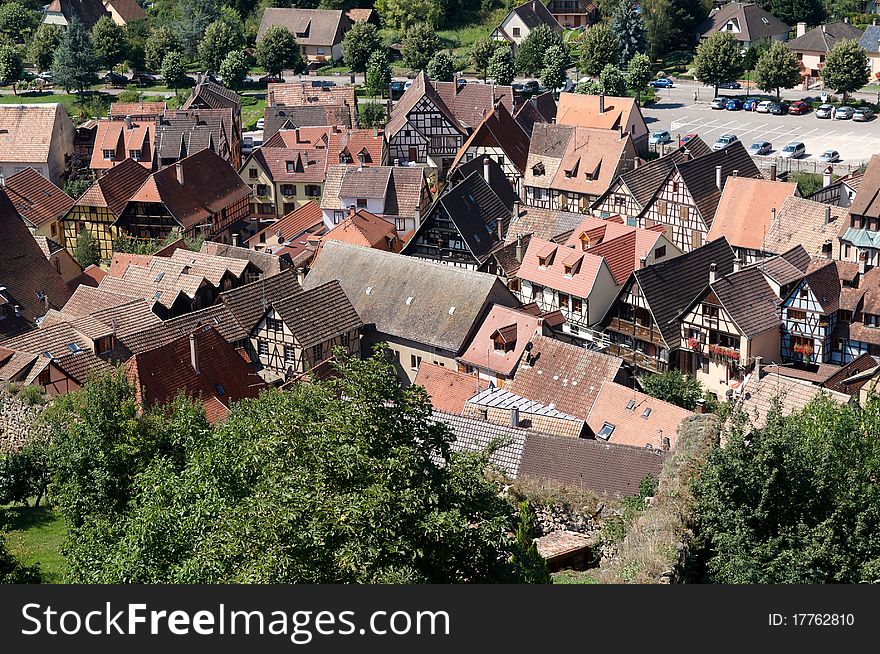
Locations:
column 643, row 323
column 809, row 315
column 860, row 239
column 813, row 225
column 38, row 201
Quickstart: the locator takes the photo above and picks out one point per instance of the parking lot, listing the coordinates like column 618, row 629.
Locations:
column 677, row 112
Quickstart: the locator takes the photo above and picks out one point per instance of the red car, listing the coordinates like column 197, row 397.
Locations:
column 799, row 108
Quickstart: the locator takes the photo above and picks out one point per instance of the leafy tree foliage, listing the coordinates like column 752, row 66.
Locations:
column 629, row 27
column 404, row 14
column 556, row 63
column 278, row 51
column 136, row 34
column 419, row 45
column 378, row 73
column 719, row 59
column 754, row 52
column 220, row 39
column 109, row 42
column 234, row 69
column 792, row 12
column 341, row 484
column 76, row 187
column 612, row 81
column 173, row 70
column 75, row 63
column 11, row 66
column 532, row 566
column 25, row 474
column 41, row 49
column 373, row 115
column 161, row 41
column 192, row 20
column 481, row 55
column 88, row 250
column 441, row 68
column 672, row 386
column 672, row 24
column 12, row 571
column 501, row 67
column 530, row 54
column 845, row 68
column 600, row 47
column 17, row 21
column 777, row 69
column 638, row 73
column 796, row 501
column 359, row 43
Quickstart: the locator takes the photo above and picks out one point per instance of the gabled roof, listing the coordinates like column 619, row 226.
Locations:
column 787, row 267
column 543, row 223
column 745, row 210
column 87, row 11
column 288, row 165
column 317, row 314
column 36, row 199
column 249, row 303
column 218, row 316
column 115, row 135
column 448, row 389
column 192, row 130
column 867, row 199
column 824, row 37
column 851, row 377
column 535, row 13
column 303, row 94
column 309, row 26
column 498, row 181
column 367, row 230
column 801, row 222
column 584, row 111
column 748, row 300
column 26, row 131
column 407, row 297
column 137, row 110
column 870, row 40
column 754, row 22
column 288, row 118
column 212, row 96
column 352, row 142
column 824, row 283
column 670, row 286
column 758, row 395
column 267, row 263
column 402, row 188
column 293, row 224
column 585, row 267
column 477, row 435
column 537, row 109
column 515, row 326
column 499, row 130
column 128, row 10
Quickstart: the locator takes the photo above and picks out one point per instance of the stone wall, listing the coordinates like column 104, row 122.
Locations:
column 16, row 420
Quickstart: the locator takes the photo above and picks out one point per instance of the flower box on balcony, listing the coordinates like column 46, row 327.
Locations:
column 806, row 349
column 724, row 352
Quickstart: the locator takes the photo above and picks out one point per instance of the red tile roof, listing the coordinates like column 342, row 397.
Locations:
column 303, row 94
column 292, row 225
column 306, row 166
column 354, row 141
column 36, row 199
column 137, row 110
column 585, row 267
column 745, row 210
column 115, row 135
column 365, row 229
column 122, row 260
column 448, row 389
column 115, row 187
column 512, row 325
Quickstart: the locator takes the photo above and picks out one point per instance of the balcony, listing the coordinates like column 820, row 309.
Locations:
column 638, row 331
column 637, row 358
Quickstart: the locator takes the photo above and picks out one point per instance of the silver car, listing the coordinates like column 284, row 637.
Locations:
column 825, row 111
column 724, row 141
column 829, row 156
column 760, row 147
column 793, row 150
column 843, row 113
column 862, row 115
column 718, row 103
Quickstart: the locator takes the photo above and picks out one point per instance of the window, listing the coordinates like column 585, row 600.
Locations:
column 568, row 269
column 563, row 301
column 345, row 339
column 794, row 314
column 804, row 293
column 684, row 212
column 845, row 316
column 646, row 413
column 436, row 121
column 660, row 252
column 605, row 432
column 414, row 361
column 109, row 155
column 262, row 348
column 837, row 345
column 313, row 190
column 619, row 201
column 710, row 312
column 872, row 320
column 288, row 190
column 337, row 217
column 135, row 154
column 400, row 224
column 696, row 239
column 577, row 305
column 516, row 31
column 318, row 352
column 675, row 187
column 500, row 160
column 274, row 325
column 252, row 173
column 320, row 50
column 262, row 190
column 514, row 285
column 45, row 377
column 105, row 344
column 289, row 354
column 362, row 203
column 661, row 207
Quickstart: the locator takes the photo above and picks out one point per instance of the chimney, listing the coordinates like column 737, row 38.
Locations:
column 701, row 406
column 736, row 264
column 772, row 215
column 735, row 172
column 235, row 239
column 514, row 416
column 801, row 29
column 2, row 180
column 643, row 262
column 519, row 248
column 759, row 360
column 486, row 168
column 351, row 210
column 718, row 177
column 773, row 172
column 687, row 154
column 515, row 212
column 863, row 263
column 178, row 170
column 712, row 270
column 601, row 103
column 823, row 28
column 296, row 135
column 828, row 176
column 620, row 132
column 827, row 213
column 194, row 352
column 500, row 224
column 664, row 442
column 128, row 124
column 301, row 275
column 361, row 160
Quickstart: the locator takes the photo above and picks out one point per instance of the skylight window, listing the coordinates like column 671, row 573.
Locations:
column 451, row 310
column 409, row 300
column 158, row 278
column 369, row 289
column 73, row 347
column 630, row 405
column 606, row 431
column 646, row 413
column 220, row 390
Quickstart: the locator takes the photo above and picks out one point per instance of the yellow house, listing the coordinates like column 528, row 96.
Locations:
column 283, row 179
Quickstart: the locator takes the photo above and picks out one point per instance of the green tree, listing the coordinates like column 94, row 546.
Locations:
column 173, row 71
column 638, row 73
column 11, row 66
column 372, row 115
column 441, row 68
column 530, row 54
column 420, row 42
column 372, row 492
column 556, row 63
column 12, row 571
column 629, row 27
column 796, row 501
column 501, row 67
column 220, row 39
column 88, row 250
column 136, row 34
column 612, row 81
column 159, row 43
column 109, row 42
column 24, row 474
column 754, row 52
column 190, row 21
column 672, row 24
column 672, row 386
column 404, row 14
column 588, row 87
column 378, row 73
column 76, row 187
column 531, row 565
column 41, row 49
column 792, row 12
column 719, row 59
column 278, row 51
column 777, row 69
column 600, row 47
column 481, row 55
column 17, row 21
column 75, row 63
column 359, row 43
column 845, row 68
column 234, row 69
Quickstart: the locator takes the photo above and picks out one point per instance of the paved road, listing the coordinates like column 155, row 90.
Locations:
column 677, row 112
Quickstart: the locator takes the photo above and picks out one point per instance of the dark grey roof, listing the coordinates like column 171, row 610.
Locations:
column 317, row 27
column 249, row 303
column 318, row 314
column 407, row 297
column 218, row 316
column 537, row 109
column 473, row 435
column 824, row 37
column 870, row 40
column 670, row 286
column 180, row 134
column 213, row 96
column 754, row 22
column 535, row 13
column 497, row 179
column 283, row 117
column 749, row 300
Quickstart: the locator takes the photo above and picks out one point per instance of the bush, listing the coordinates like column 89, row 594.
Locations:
column 808, row 183
column 674, row 387
column 32, row 395
column 130, row 94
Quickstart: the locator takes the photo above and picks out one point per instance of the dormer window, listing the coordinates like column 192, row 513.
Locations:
column 569, row 269
column 872, row 320
column 135, row 154
column 538, row 169
column 105, row 344
column 109, row 155
column 542, row 262
column 504, row 339
column 291, row 166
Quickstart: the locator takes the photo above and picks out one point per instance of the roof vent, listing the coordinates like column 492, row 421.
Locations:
column 369, row 289
column 451, row 310
column 409, row 300
column 646, row 413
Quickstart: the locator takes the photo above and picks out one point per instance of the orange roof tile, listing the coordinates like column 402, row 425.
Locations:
column 365, row 229
column 513, row 326
column 294, row 224
column 585, row 267
column 448, row 389
column 746, row 208
column 35, row 198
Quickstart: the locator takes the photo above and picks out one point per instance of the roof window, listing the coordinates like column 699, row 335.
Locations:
column 606, row 431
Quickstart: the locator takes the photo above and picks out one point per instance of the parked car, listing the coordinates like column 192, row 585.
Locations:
column 733, row 104
column 46, row 75
column 760, row 147
column 687, row 137
column 764, row 107
column 751, row 104
column 723, row 141
column 730, row 85
column 825, row 111
column 662, row 83
column 862, row 115
column 779, row 108
column 718, row 103
column 799, row 108
column 532, row 85
column 843, row 113
column 261, row 123
column 141, row 77
column 793, row 150
column 247, row 145
column 829, row 156
column 318, row 83
column 660, row 137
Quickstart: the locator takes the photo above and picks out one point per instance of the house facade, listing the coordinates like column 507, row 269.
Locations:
column 521, row 20
column 811, row 47
column 746, row 21
column 38, row 136
column 571, row 14
column 318, row 32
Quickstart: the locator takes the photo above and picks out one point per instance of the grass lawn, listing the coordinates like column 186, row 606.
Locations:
column 251, row 113
column 574, row 577
column 91, row 105
column 35, row 535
